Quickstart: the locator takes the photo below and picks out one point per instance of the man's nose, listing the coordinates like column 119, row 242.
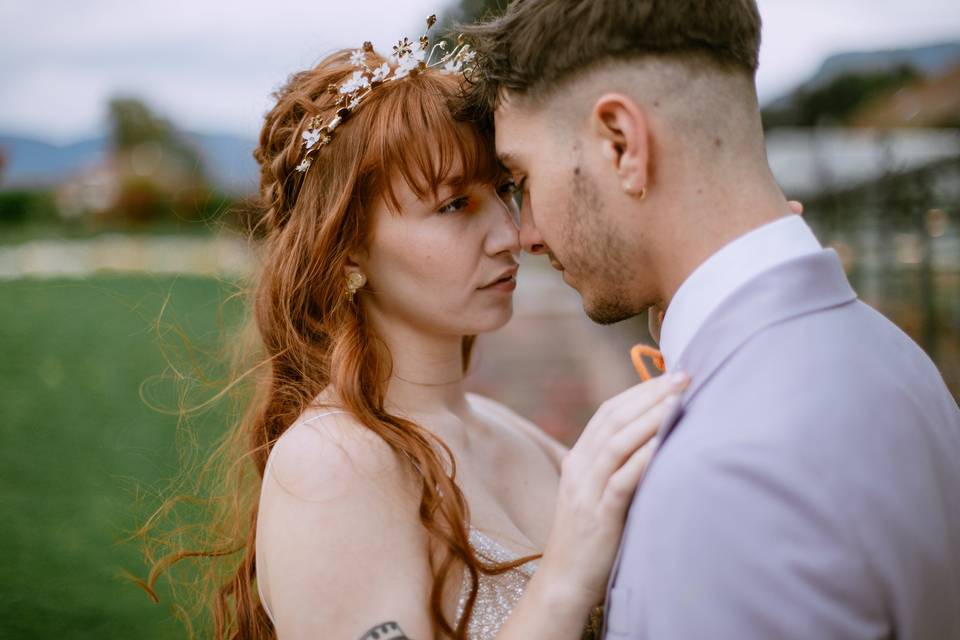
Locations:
column 530, row 238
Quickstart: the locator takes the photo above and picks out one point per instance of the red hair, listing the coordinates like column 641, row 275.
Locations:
column 303, row 335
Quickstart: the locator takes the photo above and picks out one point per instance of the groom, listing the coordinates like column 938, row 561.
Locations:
column 810, row 486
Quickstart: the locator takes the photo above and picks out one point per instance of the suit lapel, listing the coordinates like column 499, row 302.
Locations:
column 795, row 288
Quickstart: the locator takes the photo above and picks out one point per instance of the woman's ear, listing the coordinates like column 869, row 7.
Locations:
column 354, row 275
column 354, row 263
column 621, row 129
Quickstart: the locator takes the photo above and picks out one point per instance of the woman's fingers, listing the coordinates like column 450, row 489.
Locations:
column 796, row 207
column 623, row 483
column 623, row 444
column 626, row 407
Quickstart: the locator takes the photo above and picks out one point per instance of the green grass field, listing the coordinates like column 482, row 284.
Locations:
column 77, row 443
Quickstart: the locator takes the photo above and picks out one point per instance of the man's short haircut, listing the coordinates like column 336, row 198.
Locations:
column 538, row 44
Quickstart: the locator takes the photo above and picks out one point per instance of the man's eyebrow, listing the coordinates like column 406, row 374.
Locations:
column 506, row 160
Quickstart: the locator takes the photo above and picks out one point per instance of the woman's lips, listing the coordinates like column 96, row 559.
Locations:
column 509, row 274
column 507, row 284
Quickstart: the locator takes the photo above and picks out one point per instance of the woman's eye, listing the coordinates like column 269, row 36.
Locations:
column 455, row 205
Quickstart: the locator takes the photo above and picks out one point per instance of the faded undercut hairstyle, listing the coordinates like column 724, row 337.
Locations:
column 538, row 44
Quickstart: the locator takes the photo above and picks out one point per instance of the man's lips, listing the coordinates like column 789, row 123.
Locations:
column 505, row 276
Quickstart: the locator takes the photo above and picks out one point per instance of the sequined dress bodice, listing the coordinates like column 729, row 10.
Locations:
column 496, row 595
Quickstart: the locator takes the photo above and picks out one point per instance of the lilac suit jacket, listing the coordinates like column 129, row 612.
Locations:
column 809, row 485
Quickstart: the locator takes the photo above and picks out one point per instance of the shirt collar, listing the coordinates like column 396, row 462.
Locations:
column 725, row 271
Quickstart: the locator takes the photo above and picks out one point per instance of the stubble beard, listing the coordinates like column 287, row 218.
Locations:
column 597, row 255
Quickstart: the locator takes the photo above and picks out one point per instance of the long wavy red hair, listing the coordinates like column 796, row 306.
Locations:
column 303, row 335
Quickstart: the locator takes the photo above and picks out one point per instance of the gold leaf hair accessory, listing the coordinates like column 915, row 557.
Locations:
column 409, row 59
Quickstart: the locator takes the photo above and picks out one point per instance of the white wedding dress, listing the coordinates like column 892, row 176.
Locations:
column 496, row 595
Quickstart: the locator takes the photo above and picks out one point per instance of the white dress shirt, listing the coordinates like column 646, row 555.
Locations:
column 724, row 272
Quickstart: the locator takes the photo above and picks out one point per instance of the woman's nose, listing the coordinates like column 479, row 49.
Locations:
column 506, row 235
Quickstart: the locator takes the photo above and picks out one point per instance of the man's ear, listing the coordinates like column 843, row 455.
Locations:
column 621, row 128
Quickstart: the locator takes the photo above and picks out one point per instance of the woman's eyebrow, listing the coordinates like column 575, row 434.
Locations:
column 454, row 181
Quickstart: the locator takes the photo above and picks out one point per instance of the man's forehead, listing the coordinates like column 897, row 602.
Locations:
column 509, row 110
column 512, row 131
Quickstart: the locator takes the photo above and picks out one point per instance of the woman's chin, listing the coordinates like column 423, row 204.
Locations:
column 492, row 320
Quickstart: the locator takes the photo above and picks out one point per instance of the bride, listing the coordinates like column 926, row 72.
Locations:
column 388, row 502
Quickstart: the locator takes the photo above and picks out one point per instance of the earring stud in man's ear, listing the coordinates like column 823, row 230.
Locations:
column 355, row 280
column 632, row 191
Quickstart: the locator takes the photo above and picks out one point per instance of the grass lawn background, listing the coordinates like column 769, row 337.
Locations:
column 77, row 440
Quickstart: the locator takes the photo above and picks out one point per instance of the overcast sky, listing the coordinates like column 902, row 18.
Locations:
column 211, row 64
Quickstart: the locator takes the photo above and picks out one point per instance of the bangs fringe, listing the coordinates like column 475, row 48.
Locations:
column 417, row 137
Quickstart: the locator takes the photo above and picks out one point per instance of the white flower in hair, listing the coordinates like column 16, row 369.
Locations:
column 311, row 137
column 358, row 58
column 409, row 57
column 356, row 82
column 405, row 65
column 380, row 73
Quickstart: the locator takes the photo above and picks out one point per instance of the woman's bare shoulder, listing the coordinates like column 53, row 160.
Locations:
column 555, row 449
column 329, row 456
column 339, row 531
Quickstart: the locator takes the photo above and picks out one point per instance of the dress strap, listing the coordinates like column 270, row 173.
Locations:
column 266, row 468
column 322, row 415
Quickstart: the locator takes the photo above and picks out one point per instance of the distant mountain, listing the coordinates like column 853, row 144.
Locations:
column 929, row 61
column 227, row 159
column 36, row 163
column 849, row 83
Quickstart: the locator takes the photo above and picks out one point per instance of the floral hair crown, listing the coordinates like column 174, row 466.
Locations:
column 409, row 59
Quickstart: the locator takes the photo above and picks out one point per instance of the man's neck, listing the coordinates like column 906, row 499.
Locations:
column 705, row 221
column 786, row 239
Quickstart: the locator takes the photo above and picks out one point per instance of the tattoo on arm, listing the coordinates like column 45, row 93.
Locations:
column 385, row 631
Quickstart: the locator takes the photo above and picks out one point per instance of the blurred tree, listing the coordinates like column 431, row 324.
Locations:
column 467, row 11
column 19, row 206
column 835, row 103
column 3, row 163
column 133, row 125
column 930, row 102
column 158, row 173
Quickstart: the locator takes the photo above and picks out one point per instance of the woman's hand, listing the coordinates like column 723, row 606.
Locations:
column 655, row 315
column 598, row 478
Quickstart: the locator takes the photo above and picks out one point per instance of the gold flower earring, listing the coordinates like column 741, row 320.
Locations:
column 355, row 280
